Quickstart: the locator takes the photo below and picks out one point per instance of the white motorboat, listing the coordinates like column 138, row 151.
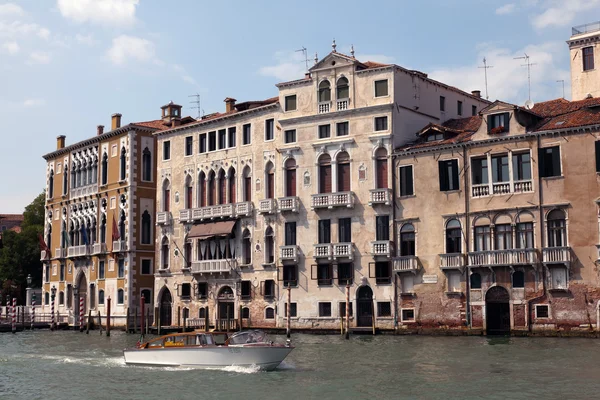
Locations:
column 210, row 350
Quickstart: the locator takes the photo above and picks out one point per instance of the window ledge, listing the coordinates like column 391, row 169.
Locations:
column 454, row 293
column 451, row 191
column 383, row 284
column 408, row 294
column 122, row 181
column 390, row 318
column 551, row 178
column 409, row 196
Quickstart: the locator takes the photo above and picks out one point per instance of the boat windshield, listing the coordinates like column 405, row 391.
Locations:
column 245, row 337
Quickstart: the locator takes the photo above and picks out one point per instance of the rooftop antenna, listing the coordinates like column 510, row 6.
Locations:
column 563, row 86
column 197, row 104
column 528, row 65
column 305, row 54
column 485, row 68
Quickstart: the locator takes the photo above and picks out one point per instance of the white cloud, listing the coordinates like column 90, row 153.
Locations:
column 507, row 80
column 105, row 12
column 506, row 9
column 11, row 9
column 18, row 28
column 562, row 12
column 11, row 47
column 85, row 39
column 289, row 66
column 127, row 47
column 39, row 57
column 33, row 102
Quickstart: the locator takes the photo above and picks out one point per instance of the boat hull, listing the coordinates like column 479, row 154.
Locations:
column 264, row 357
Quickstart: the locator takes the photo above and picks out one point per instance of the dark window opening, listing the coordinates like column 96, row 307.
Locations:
column 342, row 129
column 343, row 309
column 167, row 150
column 345, row 230
column 269, row 129
column 186, row 290
column 290, row 136
column 247, row 134
column 383, row 272
column 406, row 181
column 269, row 289
column 588, row 58
column 324, row 131
column 231, row 132
column 293, row 310
column 212, row 141
column 246, row 290
column 290, row 103
column 384, row 309
column 541, row 311
column 324, row 234
column 324, row 309
column 381, row 123
column 345, row 273
column 408, row 315
column 381, row 88
column 382, row 227
column 202, row 290
column 222, row 138
column 475, row 281
column 189, row 145
column 518, row 279
column 448, row 170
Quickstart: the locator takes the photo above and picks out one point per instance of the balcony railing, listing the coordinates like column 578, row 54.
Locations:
column 99, row 248
column 243, row 209
column 556, row 255
column 288, row 253
column 380, row 196
column 44, row 254
column 213, row 266
column 406, row 264
column 503, row 257
column 480, row 190
column 523, row 186
column 208, row 212
column 324, row 107
column 163, row 218
column 330, row 200
column 343, row 250
column 323, row 250
column 84, row 191
column 267, row 206
column 342, row 104
column 60, row 253
column 381, row 248
column 500, row 188
column 587, row 28
column 119, row 246
column 452, row 261
column 290, row 203
column 78, row 251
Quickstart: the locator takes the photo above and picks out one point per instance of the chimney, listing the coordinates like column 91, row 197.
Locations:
column 476, row 93
column 175, row 122
column 60, row 142
column 229, row 104
column 100, row 129
column 115, row 121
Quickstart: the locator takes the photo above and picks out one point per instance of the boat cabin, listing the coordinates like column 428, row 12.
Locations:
column 187, row 340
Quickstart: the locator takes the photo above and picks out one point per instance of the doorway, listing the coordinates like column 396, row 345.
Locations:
column 497, row 311
column 166, row 304
column 80, row 293
column 364, row 301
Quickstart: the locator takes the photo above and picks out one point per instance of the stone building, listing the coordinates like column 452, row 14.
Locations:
column 585, row 55
column 100, row 210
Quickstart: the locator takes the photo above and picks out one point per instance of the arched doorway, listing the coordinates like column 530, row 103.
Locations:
column 166, row 302
column 497, row 311
column 226, row 303
column 80, row 293
column 364, row 302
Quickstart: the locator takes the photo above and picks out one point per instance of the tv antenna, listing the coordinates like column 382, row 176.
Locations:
column 563, row 86
column 485, row 68
column 197, row 104
column 528, row 65
column 305, row 54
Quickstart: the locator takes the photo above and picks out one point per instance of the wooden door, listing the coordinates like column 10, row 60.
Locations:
column 290, row 181
column 343, row 177
column 382, row 174
column 270, row 186
column 325, row 179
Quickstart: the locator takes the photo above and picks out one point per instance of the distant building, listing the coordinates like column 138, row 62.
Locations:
column 584, row 45
column 10, row 222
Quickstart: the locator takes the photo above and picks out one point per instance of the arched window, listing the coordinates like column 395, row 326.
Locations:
column 325, row 174
column 407, row 240
column 46, row 298
column 232, row 185
column 245, row 313
column 246, row 247
column 324, row 91
column 187, row 248
column 201, row 190
column 189, row 190
column 65, row 180
column 92, row 296
column 63, row 235
column 49, row 236
column 61, row 298
column 269, row 246
column 146, row 228
column 518, row 279
column 290, row 177
column 222, row 192
column 146, row 165
column 343, row 89
column 166, row 198
column 247, row 176
column 83, row 167
column 90, row 175
column 482, row 239
column 120, row 296
column 269, row 181
column 51, row 185
column 104, row 169
column 123, row 163
column 101, row 297
column 343, row 172
column 211, row 188
column 103, row 228
column 164, row 253
column 72, row 234
column 381, row 168
column 147, row 295
column 74, row 175
column 453, row 237
column 557, row 230
column 95, row 170
column 92, row 231
column 475, row 281
column 202, row 313
column 122, row 226
column 269, row 313
column 79, row 183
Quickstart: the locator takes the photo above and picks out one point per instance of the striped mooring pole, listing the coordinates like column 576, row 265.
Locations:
column 7, row 307
column 52, row 312
column 32, row 310
column 14, row 315
column 81, row 314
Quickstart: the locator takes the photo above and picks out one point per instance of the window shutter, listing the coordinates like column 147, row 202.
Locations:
column 290, row 182
column 325, row 179
column 343, row 177
column 443, row 172
column 598, row 156
column 455, row 185
column 382, row 174
column 408, row 178
column 489, row 123
column 541, row 162
column 556, row 161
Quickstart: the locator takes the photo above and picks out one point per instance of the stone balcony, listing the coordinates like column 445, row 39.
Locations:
column 119, row 246
column 82, row 191
column 78, row 251
column 556, row 255
column 214, row 266
column 163, row 218
column 289, row 254
column 380, row 196
column 381, row 248
column 501, row 188
column 208, row 212
column 342, row 104
column 60, row 253
column 323, row 250
column 267, row 206
column 334, row 250
column 290, row 204
column 451, row 261
column 508, row 257
column 406, row 264
column 324, row 107
column 331, row 200
column 99, row 248
column 44, row 255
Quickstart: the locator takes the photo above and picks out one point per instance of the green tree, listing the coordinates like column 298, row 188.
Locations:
column 35, row 212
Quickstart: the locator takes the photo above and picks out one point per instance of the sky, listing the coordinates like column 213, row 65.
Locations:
column 67, row 65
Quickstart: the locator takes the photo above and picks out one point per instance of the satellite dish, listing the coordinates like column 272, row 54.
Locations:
column 529, row 104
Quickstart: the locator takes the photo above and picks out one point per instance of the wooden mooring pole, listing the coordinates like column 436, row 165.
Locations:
column 87, row 330
column 100, row 322
column 108, row 316
column 288, row 313
column 347, row 311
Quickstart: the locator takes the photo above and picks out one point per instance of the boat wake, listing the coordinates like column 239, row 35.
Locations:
column 239, row 369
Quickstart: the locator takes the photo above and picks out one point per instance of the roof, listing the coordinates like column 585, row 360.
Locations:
column 560, row 106
column 582, row 117
column 456, row 131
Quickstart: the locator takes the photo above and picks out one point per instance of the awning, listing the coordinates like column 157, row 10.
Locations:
column 205, row 231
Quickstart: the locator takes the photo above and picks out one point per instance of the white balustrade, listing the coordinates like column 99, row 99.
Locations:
column 288, row 253
column 163, row 217
column 380, row 196
column 330, row 200
column 480, row 190
column 213, row 266
column 323, row 250
column 289, row 203
column 405, row 263
column 381, row 248
column 119, row 245
column 558, row 255
column 452, row 261
column 267, row 206
column 343, row 250
column 501, row 188
column 324, row 107
column 342, row 104
column 523, row 186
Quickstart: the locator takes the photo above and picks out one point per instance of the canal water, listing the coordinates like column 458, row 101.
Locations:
column 69, row 365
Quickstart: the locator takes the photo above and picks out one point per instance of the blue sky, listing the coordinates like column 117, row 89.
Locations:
column 67, row 65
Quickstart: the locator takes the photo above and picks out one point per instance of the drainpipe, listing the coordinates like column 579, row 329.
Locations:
column 394, row 231
column 467, row 237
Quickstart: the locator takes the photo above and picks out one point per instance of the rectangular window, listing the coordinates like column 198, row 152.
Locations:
column 62, row 272
column 503, row 236
column 559, row 278
column 269, row 289
column 480, row 171
column 496, row 121
column 222, row 138
column 383, row 273
column 597, row 156
column 521, row 167
column 588, row 58
column 342, row 129
column 290, row 233
column 448, row 170
column 290, row 275
column 541, row 311
column 324, row 309
column 381, row 123
column 293, row 310
column 454, row 282
column 146, row 267
column 100, row 269
column 269, row 129
column 500, row 168
column 482, row 238
column 384, row 309
column 290, row 103
column 408, row 315
column 247, row 134
column 290, row 136
column 343, row 309
column 186, row 290
column 406, row 181
column 381, row 88
column 212, row 141
column 166, row 150
column 442, row 103
column 246, row 290
column 324, row 131
column 324, row 274
column 345, row 230
column 324, row 231
column 202, row 290
column 549, row 162
column 473, row 110
column 231, row 133
column 524, row 235
column 382, row 227
column 459, row 107
column 47, row 273
column 202, row 141
column 189, row 143
column 121, row 268
column 345, row 273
